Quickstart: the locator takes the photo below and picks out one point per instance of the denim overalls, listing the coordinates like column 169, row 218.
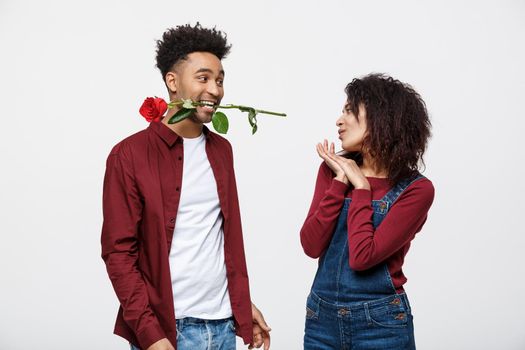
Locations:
column 357, row 310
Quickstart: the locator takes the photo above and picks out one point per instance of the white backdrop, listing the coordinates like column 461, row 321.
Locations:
column 73, row 75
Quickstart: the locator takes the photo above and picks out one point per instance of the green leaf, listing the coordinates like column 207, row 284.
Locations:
column 183, row 113
column 188, row 104
column 251, row 117
column 220, row 122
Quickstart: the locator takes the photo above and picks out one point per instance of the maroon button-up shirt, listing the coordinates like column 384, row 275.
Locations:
column 142, row 187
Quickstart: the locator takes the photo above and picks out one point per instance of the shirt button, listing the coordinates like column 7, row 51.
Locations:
column 180, row 158
column 177, row 189
column 172, row 220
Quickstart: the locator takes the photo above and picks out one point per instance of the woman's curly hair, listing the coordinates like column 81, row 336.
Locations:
column 182, row 40
column 398, row 126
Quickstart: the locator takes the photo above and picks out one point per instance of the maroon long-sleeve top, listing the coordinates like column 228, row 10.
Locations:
column 142, row 187
column 389, row 242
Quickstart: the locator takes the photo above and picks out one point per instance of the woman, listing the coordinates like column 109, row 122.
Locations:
column 368, row 205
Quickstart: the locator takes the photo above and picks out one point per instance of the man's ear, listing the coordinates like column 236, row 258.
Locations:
column 172, row 82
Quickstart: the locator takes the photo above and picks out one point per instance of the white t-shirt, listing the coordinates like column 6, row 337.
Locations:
column 198, row 272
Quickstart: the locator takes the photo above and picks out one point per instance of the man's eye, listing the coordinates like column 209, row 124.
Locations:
column 203, row 79
column 220, row 82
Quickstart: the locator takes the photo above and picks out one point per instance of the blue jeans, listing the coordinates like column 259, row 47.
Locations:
column 199, row 334
column 382, row 324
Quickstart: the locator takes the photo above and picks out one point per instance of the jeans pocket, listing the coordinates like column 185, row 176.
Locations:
column 231, row 325
column 312, row 308
column 390, row 316
column 310, row 314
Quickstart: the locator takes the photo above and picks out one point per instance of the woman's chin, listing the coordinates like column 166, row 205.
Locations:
column 350, row 147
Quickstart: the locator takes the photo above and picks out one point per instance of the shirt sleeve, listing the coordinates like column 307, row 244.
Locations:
column 234, row 252
column 122, row 209
column 370, row 246
column 324, row 210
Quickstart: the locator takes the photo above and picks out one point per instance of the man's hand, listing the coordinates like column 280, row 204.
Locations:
column 261, row 331
column 163, row 344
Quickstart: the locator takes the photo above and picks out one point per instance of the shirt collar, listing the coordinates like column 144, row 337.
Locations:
column 169, row 136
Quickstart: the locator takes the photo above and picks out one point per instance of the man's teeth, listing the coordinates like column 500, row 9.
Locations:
column 207, row 103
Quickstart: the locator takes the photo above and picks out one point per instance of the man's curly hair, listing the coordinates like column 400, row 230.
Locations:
column 182, row 40
column 398, row 125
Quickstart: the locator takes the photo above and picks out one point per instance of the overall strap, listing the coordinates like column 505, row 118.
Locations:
column 396, row 191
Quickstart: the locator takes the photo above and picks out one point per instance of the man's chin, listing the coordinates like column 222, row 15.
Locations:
column 205, row 119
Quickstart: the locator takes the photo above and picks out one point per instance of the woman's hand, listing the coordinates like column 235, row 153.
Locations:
column 346, row 170
column 352, row 172
column 328, row 155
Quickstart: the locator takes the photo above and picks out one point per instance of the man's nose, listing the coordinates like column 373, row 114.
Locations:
column 213, row 89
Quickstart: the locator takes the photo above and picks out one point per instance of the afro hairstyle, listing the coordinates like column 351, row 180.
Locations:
column 182, row 40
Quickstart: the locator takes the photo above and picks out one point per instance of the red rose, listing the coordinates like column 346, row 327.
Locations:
column 153, row 109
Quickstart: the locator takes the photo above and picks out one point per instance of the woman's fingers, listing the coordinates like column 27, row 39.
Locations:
column 320, row 151
column 333, row 158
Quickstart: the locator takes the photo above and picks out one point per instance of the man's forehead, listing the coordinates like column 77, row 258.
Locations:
column 204, row 62
column 209, row 70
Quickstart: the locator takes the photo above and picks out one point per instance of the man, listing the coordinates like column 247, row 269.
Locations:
column 171, row 238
